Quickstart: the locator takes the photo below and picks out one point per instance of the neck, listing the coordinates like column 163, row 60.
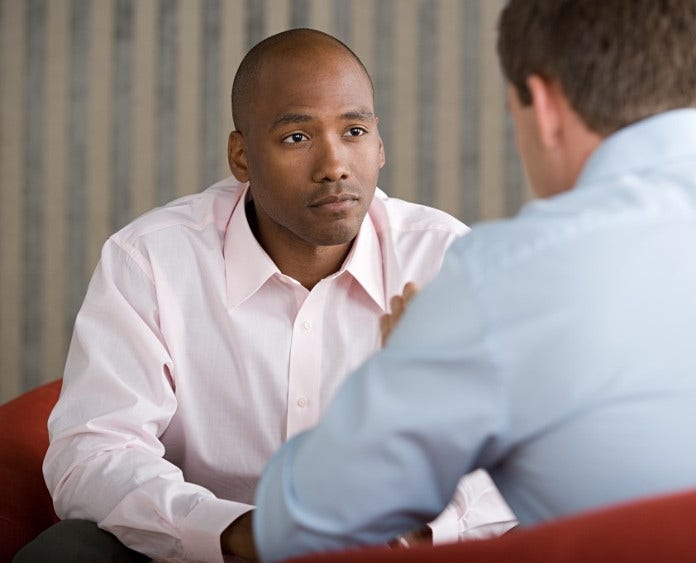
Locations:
column 579, row 143
column 310, row 268
column 580, row 148
column 306, row 263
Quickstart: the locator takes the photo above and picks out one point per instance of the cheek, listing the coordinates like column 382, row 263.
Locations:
column 369, row 162
column 269, row 173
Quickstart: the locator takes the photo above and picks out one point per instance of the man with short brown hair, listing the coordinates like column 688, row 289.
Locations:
column 555, row 349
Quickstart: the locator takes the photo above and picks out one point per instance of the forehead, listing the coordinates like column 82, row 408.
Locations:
column 329, row 81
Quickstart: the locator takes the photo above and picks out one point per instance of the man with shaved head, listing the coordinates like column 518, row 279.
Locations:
column 220, row 325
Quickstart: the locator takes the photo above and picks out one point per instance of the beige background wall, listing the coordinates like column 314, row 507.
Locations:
column 109, row 107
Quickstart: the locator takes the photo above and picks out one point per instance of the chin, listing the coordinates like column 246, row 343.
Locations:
column 341, row 234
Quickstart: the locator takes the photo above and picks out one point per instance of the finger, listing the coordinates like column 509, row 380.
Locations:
column 384, row 324
column 397, row 305
column 385, row 328
column 410, row 291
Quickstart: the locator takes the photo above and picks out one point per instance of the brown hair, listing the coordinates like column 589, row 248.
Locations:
column 618, row 61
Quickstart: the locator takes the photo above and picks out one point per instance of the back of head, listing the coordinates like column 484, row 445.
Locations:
column 618, row 61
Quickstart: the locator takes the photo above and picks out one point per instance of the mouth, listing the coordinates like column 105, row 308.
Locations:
column 335, row 203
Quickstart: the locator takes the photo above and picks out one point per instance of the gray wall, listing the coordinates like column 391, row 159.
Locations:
column 109, row 107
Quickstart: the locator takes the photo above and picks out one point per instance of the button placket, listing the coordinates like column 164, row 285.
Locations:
column 304, row 377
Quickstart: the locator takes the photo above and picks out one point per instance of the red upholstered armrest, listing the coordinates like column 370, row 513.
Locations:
column 26, row 508
column 656, row 529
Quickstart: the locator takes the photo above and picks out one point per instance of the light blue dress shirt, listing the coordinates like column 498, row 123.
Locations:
column 556, row 349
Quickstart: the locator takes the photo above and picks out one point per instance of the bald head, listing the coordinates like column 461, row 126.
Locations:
column 294, row 44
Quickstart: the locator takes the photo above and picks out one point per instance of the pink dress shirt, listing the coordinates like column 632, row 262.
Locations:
column 194, row 358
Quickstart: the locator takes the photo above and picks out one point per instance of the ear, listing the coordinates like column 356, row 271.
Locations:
column 237, row 156
column 382, row 157
column 547, row 110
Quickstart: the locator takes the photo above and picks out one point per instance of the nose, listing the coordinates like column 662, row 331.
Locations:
column 331, row 161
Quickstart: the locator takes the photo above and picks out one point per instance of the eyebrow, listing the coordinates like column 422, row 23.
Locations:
column 289, row 118
column 363, row 115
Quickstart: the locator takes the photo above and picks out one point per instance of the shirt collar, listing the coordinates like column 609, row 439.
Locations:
column 364, row 262
column 248, row 267
column 643, row 145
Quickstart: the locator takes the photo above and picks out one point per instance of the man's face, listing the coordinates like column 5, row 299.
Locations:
column 312, row 149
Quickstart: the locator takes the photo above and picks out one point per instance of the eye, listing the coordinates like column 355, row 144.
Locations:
column 295, row 138
column 356, row 131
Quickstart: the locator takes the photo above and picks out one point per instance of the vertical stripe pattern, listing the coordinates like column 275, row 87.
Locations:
column 110, row 107
column 402, row 148
column 166, row 99
column 32, row 247
column 53, row 311
column 491, row 152
column 427, row 83
column 12, row 134
column 144, row 109
column 189, row 125
column 99, row 129
column 446, row 108
column 209, row 102
column 468, row 125
column 76, row 263
column 122, row 104
column 383, row 76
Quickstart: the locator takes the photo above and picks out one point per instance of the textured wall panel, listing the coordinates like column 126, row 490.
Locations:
column 110, row 107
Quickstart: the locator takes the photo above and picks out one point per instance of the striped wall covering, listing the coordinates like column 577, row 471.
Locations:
column 109, row 107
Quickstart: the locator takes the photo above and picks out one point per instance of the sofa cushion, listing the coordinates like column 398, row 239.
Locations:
column 643, row 531
column 26, row 508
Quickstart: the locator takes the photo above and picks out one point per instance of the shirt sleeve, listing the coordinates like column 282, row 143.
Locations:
column 391, row 448
column 105, row 460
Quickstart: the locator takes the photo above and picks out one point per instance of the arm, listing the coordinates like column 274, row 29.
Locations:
column 388, row 446
column 477, row 509
column 105, row 462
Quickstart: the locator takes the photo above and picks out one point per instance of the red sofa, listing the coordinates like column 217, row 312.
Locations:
column 644, row 531
column 26, row 507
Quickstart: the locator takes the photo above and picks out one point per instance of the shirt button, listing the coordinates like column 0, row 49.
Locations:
column 307, row 325
column 302, row 402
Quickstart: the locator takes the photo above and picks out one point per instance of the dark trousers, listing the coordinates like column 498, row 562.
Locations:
column 77, row 541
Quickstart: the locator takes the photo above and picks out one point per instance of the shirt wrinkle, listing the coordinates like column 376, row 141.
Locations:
column 556, row 348
column 228, row 382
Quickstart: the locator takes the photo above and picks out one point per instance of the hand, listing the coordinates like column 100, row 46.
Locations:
column 398, row 305
column 238, row 538
column 422, row 536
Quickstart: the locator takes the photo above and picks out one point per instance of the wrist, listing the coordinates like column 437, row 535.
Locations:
column 237, row 538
